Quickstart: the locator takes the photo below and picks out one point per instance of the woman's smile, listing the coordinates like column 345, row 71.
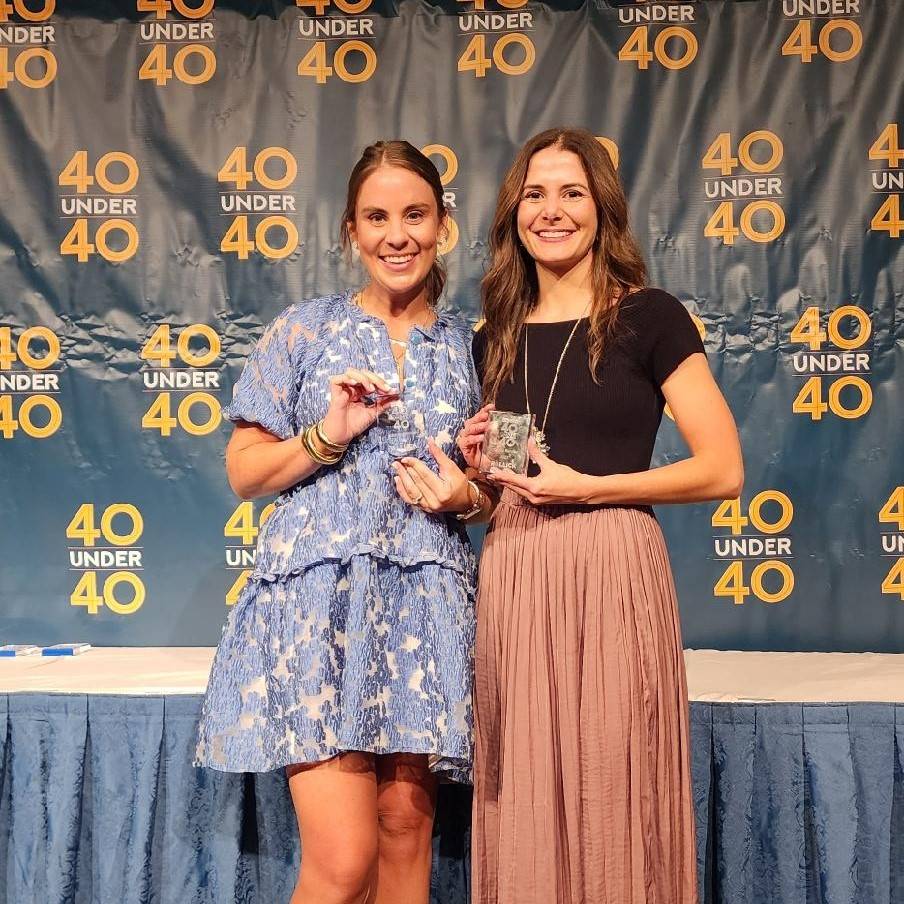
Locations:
column 396, row 262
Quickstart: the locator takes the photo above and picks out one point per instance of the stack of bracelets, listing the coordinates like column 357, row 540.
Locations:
column 319, row 448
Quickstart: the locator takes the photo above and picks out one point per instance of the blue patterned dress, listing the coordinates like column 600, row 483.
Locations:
column 355, row 630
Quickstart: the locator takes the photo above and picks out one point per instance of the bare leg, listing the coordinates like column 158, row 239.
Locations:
column 406, row 802
column 336, row 806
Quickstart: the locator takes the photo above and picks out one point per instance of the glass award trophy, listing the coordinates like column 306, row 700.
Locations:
column 400, row 435
column 505, row 441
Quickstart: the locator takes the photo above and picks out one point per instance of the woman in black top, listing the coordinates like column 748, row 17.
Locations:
column 582, row 789
column 607, row 426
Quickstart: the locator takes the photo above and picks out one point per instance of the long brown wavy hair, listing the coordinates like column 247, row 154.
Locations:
column 406, row 156
column 510, row 289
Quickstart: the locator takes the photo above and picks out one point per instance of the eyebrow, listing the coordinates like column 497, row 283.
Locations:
column 410, row 207
column 569, row 185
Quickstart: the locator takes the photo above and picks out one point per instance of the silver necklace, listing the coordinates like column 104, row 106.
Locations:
column 539, row 433
column 357, row 300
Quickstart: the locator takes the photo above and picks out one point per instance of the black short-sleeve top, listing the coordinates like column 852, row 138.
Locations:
column 608, row 426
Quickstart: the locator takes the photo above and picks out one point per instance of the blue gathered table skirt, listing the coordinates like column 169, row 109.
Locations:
column 796, row 803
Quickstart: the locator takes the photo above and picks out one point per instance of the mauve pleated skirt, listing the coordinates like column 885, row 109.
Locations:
column 582, row 789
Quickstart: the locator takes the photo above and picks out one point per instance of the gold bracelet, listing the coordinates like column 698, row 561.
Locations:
column 319, row 456
column 331, row 455
column 307, row 447
column 325, row 441
column 307, row 442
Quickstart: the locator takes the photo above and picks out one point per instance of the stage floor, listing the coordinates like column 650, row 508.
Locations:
column 713, row 676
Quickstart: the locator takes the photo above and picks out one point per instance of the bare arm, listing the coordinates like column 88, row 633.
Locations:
column 714, row 470
column 261, row 464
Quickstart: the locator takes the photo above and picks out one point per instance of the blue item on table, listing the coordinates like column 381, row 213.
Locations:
column 66, row 649
column 18, row 649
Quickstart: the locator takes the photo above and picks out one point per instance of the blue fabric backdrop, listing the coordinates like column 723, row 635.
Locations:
column 99, row 803
column 761, row 146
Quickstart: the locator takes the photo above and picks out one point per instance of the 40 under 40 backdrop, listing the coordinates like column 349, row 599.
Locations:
column 171, row 176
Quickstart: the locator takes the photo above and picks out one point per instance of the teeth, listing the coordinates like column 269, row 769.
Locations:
column 549, row 234
column 399, row 258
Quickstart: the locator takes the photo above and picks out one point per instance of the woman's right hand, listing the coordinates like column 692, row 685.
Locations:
column 352, row 409
column 470, row 439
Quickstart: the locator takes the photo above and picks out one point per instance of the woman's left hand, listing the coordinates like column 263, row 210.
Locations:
column 554, row 484
column 421, row 487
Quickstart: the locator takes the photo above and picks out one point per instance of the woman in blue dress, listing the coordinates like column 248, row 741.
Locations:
column 348, row 656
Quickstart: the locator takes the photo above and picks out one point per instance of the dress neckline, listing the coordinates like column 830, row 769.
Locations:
column 431, row 332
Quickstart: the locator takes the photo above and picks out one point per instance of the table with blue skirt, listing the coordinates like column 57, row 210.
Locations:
column 797, row 762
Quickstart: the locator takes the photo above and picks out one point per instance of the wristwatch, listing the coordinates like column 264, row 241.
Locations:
column 476, row 505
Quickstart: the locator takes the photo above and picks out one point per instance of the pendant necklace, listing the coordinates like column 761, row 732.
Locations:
column 539, row 433
column 402, row 344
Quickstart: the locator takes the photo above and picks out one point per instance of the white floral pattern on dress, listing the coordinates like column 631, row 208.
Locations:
column 356, row 628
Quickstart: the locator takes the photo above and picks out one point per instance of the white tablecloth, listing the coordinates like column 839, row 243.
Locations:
column 713, row 675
